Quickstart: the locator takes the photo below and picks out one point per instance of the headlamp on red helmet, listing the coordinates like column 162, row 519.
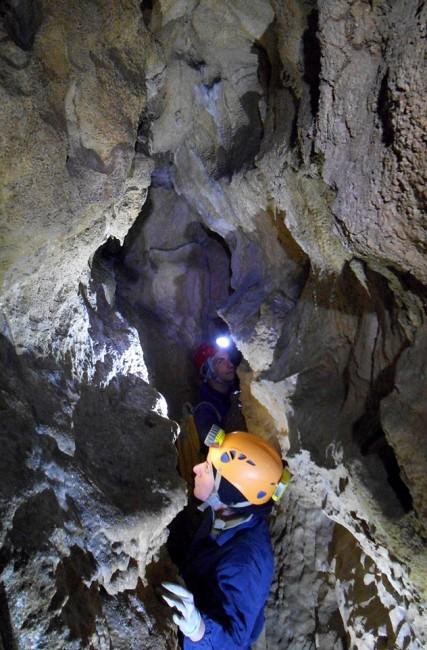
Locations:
column 223, row 342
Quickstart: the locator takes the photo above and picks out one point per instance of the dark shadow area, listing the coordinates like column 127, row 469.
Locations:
column 265, row 68
column 33, row 523
column 169, row 280
column 111, row 250
column 21, row 20
column 367, row 430
column 413, row 285
column 280, row 120
column 246, row 141
column 181, row 532
column 142, row 144
column 147, row 10
column 81, row 595
column 16, row 420
column 7, row 641
column 370, row 437
column 293, row 137
column 312, row 57
column 385, row 112
column 123, row 450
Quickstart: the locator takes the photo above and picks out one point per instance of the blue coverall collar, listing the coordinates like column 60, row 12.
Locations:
column 224, row 536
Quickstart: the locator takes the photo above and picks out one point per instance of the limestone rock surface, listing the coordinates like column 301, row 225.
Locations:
column 80, row 522
column 168, row 169
column 72, row 94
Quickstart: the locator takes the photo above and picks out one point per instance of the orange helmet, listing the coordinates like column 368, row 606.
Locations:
column 249, row 463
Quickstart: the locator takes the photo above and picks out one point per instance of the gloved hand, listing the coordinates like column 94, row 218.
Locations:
column 190, row 622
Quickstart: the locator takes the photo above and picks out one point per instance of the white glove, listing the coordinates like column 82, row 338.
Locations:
column 190, row 622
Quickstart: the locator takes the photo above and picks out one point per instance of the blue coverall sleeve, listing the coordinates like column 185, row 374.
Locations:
column 205, row 415
column 245, row 591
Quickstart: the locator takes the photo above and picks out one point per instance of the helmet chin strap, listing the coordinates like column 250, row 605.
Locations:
column 213, row 501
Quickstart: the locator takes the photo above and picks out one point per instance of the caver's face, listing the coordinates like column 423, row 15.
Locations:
column 223, row 367
column 204, row 481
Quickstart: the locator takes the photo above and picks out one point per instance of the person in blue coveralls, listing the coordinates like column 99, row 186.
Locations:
column 229, row 568
column 217, row 404
column 215, row 401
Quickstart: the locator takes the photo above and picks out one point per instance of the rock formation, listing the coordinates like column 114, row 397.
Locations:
column 166, row 167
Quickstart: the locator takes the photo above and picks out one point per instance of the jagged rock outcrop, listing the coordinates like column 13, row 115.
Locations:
column 72, row 94
column 81, row 523
column 274, row 152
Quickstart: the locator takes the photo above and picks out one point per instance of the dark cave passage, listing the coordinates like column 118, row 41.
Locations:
column 171, row 277
column 172, row 316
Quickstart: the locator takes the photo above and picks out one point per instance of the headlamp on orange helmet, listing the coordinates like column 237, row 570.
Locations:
column 249, row 463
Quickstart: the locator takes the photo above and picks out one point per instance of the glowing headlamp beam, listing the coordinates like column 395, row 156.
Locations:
column 223, row 341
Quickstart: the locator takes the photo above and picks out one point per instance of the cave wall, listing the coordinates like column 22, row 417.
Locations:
column 81, row 524
column 260, row 162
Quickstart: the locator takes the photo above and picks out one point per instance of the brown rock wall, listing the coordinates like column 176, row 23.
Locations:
column 72, row 102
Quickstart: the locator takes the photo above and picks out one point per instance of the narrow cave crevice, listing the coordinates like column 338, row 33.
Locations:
column 312, row 60
column 384, row 111
column 370, row 437
column 214, row 236
column 376, row 443
column 142, row 139
column 411, row 284
column 147, row 10
column 169, row 283
column 246, row 141
column 109, row 250
column 368, row 432
column 293, row 137
column 241, row 112
column 265, row 68
column 421, row 5
column 168, row 355
column 280, row 112
column 7, row 641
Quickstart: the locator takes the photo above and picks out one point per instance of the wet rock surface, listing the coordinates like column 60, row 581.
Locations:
column 167, row 168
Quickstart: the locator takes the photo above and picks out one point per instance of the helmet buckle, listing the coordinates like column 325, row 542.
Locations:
column 215, row 437
column 282, row 485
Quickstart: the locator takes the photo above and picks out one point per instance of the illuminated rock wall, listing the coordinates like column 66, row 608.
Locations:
column 164, row 165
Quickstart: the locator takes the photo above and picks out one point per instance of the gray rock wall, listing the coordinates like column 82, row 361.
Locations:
column 88, row 480
column 262, row 163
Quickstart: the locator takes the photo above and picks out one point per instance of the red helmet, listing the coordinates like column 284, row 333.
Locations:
column 202, row 354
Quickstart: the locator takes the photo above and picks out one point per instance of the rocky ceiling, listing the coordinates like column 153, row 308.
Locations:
column 166, row 166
